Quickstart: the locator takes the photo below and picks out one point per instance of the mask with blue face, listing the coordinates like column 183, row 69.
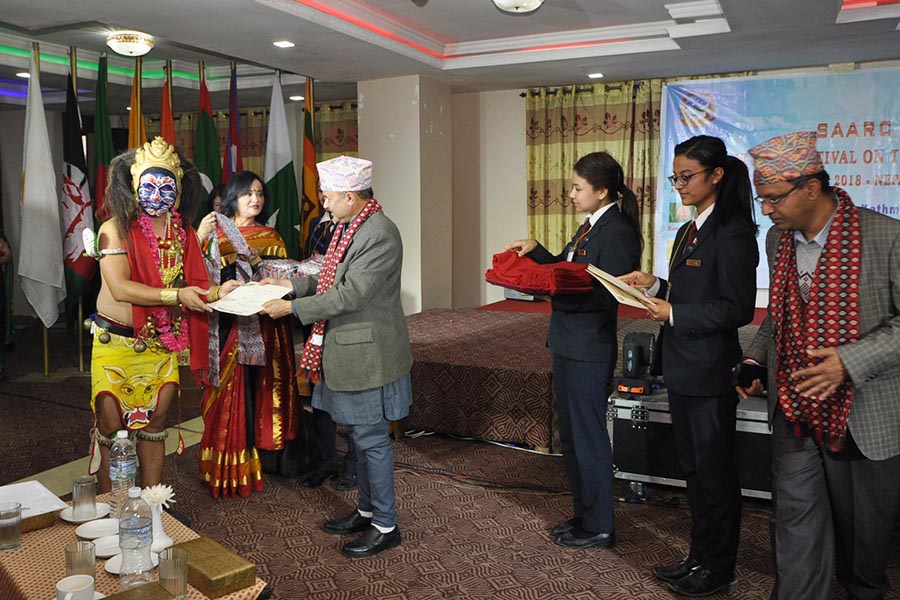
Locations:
column 157, row 192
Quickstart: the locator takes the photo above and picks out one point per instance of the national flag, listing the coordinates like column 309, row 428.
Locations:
column 283, row 201
column 76, row 205
column 137, row 133
column 206, row 140
column 104, row 151
column 40, row 249
column 311, row 210
column 232, row 162
column 166, row 120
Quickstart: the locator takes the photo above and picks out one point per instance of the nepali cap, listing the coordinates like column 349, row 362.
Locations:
column 785, row 158
column 345, row 174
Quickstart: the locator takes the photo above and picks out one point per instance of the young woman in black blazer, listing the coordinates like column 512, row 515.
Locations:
column 582, row 338
column 711, row 292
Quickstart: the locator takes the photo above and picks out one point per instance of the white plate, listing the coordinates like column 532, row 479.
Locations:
column 115, row 563
column 95, row 529
column 102, row 511
column 106, row 546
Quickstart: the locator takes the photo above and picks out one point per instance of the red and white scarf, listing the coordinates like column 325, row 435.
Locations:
column 311, row 360
column 829, row 318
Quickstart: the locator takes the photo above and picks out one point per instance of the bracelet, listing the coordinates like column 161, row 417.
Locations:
column 213, row 294
column 168, row 296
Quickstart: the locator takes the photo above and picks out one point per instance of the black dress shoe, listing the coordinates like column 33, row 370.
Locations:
column 702, row 582
column 371, row 542
column 566, row 526
column 347, row 482
column 582, row 538
column 352, row 523
column 675, row 571
column 318, row 478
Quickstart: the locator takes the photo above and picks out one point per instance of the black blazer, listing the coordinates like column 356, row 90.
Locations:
column 583, row 326
column 712, row 290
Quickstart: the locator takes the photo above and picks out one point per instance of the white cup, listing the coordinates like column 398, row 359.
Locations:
column 75, row 587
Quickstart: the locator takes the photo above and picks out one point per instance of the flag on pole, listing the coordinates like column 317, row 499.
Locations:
column 76, row 205
column 103, row 142
column 137, row 133
column 311, row 209
column 206, row 139
column 166, row 120
column 283, row 200
column 232, row 162
column 40, row 249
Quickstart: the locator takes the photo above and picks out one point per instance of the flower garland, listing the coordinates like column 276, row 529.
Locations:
column 173, row 336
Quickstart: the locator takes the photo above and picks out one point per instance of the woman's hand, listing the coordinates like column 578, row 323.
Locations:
column 522, row 247
column 282, row 282
column 639, row 279
column 659, row 310
column 207, row 226
column 277, row 308
column 190, row 297
column 228, row 287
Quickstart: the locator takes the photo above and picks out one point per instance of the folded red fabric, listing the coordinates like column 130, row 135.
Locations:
column 525, row 275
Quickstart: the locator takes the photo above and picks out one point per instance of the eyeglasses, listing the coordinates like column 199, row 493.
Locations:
column 680, row 181
column 773, row 201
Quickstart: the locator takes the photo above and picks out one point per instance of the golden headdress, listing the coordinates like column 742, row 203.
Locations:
column 161, row 154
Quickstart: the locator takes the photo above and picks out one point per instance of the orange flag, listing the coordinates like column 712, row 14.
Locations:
column 167, row 121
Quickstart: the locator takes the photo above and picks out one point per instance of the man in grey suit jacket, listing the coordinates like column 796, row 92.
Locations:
column 834, row 395
column 358, row 353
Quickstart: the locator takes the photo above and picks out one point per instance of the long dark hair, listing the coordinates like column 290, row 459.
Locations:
column 601, row 170
column 237, row 186
column 734, row 196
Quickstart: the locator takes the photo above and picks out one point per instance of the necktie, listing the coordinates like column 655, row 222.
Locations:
column 690, row 238
column 582, row 232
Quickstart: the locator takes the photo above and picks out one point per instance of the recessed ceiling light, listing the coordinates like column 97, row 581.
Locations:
column 595, row 75
column 295, row 98
column 23, row 74
column 127, row 108
column 283, row 44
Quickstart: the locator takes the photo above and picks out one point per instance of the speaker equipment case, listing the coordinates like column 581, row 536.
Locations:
column 640, row 428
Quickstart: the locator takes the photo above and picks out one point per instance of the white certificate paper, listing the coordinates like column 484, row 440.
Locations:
column 249, row 298
column 620, row 290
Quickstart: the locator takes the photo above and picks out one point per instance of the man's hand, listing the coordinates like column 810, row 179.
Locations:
column 277, row 308
column 521, row 247
column 824, row 378
column 190, row 297
column 228, row 287
column 282, row 282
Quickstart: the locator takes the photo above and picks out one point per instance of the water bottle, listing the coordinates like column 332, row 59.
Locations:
column 135, row 538
column 122, row 471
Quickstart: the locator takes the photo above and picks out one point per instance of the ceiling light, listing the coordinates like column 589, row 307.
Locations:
column 518, row 6
column 23, row 74
column 595, row 75
column 127, row 108
column 283, row 44
column 295, row 98
column 130, row 43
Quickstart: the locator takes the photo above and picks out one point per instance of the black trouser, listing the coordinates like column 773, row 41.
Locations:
column 326, row 433
column 704, row 428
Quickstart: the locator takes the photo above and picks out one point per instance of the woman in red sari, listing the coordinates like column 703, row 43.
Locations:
column 252, row 406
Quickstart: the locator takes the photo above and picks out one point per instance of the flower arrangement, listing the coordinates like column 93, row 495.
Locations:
column 159, row 494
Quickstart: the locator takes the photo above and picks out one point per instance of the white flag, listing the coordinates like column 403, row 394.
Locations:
column 40, row 251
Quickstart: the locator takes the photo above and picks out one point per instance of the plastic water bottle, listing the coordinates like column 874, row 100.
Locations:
column 135, row 538
column 122, row 471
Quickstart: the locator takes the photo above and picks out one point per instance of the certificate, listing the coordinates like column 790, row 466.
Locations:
column 620, row 290
column 249, row 298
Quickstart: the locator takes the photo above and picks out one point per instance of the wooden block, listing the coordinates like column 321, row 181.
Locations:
column 215, row 570
column 148, row 591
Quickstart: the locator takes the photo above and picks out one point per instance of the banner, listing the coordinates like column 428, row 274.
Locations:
column 856, row 116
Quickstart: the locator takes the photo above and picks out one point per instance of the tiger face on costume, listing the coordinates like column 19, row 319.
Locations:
column 138, row 392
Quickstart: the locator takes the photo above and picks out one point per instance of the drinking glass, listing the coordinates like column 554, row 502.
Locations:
column 173, row 569
column 80, row 558
column 84, row 504
column 10, row 526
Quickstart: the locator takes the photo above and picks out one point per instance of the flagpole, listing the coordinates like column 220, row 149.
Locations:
column 312, row 106
column 73, row 68
column 36, row 48
column 169, row 81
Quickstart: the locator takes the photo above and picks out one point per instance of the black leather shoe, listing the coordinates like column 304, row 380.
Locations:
column 351, row 523
column 675, row 571
column 702, row 582
column 371, row 542
column 566, row 526
column 582, row 538
column 318, row 478
column 346, row 482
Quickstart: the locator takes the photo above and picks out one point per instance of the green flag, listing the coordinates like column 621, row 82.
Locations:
column 206, row 141
column 283, row 199
column 104, row 151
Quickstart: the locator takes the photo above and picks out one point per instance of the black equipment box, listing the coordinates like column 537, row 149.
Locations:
column 640, row 428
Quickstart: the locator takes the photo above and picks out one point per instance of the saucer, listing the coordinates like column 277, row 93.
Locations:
column 106, row 546
column 102, row 511
column 96, row 529
column 97, row 596
column 115, row 563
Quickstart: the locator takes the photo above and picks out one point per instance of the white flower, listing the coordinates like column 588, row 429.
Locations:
column 159, row 494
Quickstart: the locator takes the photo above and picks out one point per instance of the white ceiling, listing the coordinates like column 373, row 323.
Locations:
column 469, row 44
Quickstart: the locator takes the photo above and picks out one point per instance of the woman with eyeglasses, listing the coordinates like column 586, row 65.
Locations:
column 582, row 337
column 710, row 293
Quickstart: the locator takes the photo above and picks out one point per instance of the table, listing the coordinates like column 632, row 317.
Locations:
column 31, row 572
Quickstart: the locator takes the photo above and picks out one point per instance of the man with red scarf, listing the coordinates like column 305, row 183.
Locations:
column 832, row 344
column 358, row 352
column 151, row 305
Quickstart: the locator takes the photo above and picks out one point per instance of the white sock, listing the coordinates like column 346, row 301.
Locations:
column 365, row 513
column 384, row 529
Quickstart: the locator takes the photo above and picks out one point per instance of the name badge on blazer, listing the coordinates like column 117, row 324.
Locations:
column 694, row 262
column 581, row 253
